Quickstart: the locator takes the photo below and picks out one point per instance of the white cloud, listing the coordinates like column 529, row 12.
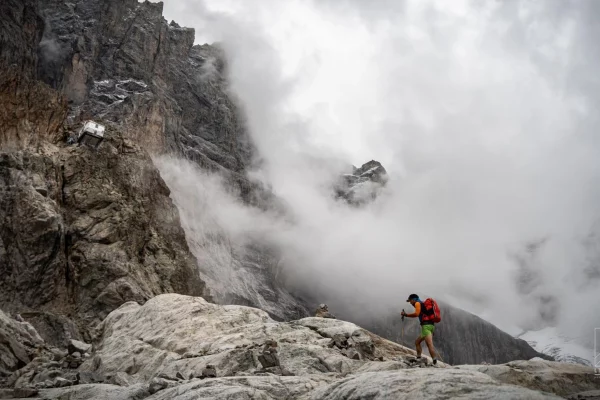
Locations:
column 482, row 112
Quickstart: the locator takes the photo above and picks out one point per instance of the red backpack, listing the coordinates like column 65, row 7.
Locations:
column 431, row 311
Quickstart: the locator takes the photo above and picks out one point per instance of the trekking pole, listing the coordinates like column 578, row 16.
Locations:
column 402, row 326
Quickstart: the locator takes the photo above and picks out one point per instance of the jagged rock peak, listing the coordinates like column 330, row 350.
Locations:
column 363, row 185
column 372, row 170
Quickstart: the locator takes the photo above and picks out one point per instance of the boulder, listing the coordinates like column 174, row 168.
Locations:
column 352, row 354
column 58, row 354
column 323, row 312
column 209, row 372
column 75, row 346
column 19, row 343
column 42, row 372
column 268, row 360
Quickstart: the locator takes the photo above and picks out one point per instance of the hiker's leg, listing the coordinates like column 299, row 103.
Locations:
column 424, row 332
column 418, row 346
column 429, row 343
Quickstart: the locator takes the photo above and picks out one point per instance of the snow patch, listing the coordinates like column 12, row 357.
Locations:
column 563, row 348
column 370, row 171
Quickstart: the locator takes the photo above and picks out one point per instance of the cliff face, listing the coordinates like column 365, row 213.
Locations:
column 29, row 110
column 81, row 231
column 120, row 62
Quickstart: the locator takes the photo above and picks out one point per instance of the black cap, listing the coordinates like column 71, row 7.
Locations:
column 412, row 297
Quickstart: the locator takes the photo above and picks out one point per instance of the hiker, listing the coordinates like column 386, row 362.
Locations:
column 323, row 312
column 427, row 326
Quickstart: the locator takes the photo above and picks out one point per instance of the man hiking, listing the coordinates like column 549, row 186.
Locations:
column 426, row 318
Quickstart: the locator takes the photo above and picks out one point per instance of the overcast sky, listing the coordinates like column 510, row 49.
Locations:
column 483, row 112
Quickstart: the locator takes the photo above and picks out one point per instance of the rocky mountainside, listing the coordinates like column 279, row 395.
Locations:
column 239, row 268
column 82, row 232
column 182, row 347
column 121, row 63
column 30, row 111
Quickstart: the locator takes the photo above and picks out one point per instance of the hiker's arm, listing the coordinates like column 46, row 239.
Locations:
column 416, row 313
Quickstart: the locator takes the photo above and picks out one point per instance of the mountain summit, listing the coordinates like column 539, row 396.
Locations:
column 362, row 185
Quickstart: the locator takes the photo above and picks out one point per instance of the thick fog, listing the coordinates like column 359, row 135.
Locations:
column 484, row 114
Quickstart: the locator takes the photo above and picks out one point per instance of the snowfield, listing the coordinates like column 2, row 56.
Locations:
column 563, row 348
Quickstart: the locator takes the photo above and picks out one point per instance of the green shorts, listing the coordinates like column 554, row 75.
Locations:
column 427, row 330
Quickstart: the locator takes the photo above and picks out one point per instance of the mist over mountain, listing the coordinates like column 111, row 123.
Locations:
column 482, row 115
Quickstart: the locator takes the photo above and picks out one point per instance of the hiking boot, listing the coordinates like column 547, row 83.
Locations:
column 418, row 361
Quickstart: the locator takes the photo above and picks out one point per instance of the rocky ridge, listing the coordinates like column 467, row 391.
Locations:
column 179, row 347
